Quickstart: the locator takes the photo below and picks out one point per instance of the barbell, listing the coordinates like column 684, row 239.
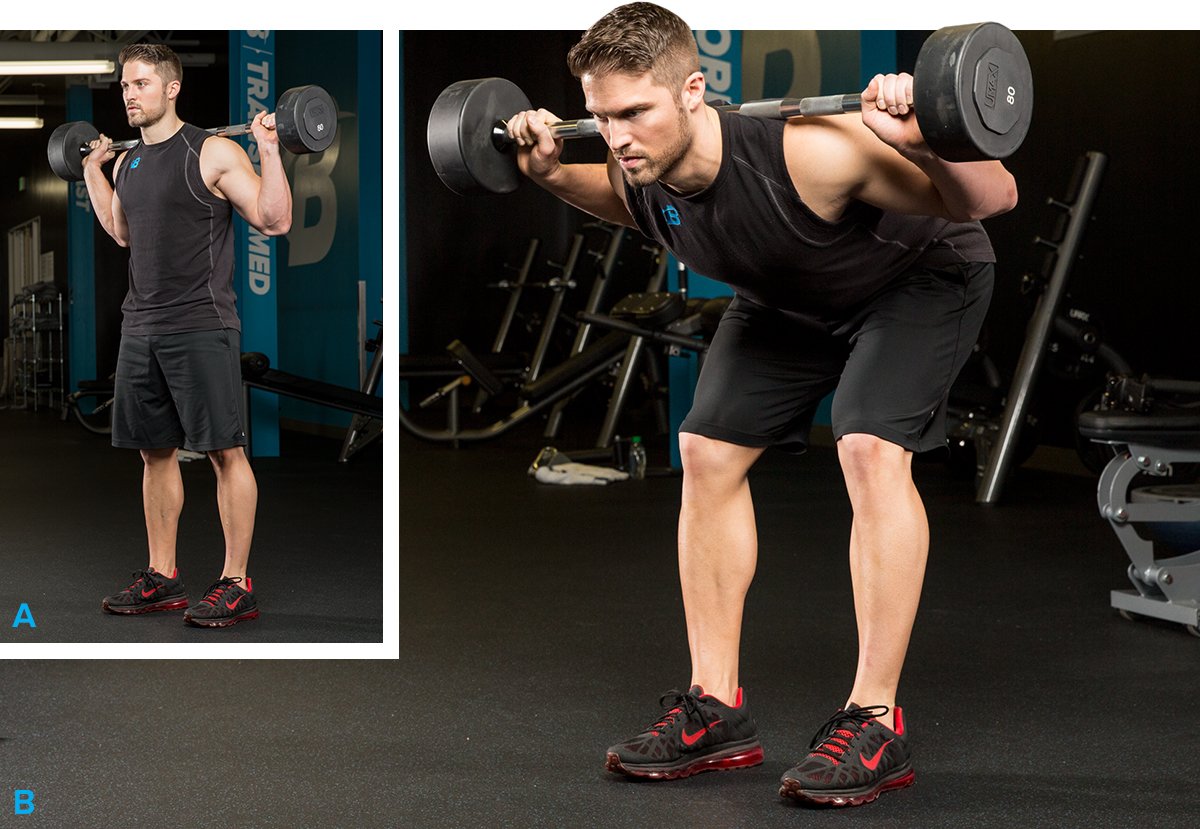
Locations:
column 305, row 120
column 972, row 93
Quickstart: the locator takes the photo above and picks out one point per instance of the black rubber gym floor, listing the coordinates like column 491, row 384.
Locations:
column 72, row 530
column 539, row 625
column 256, row 744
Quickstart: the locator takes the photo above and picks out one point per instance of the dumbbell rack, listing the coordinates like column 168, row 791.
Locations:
column 36, row 346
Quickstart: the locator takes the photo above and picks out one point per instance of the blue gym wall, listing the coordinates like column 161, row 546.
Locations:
column 336, row 236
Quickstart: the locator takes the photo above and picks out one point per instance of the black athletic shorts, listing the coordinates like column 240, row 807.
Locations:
column 179, row 390
column 890, row 365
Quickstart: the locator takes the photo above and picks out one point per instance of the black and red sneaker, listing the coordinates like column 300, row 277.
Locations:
column 225, row 603
column 854, row 758
column 695, row 732
column 150, row 591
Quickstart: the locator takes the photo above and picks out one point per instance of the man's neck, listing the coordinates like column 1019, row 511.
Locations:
column 700, row 166
column 162, row 129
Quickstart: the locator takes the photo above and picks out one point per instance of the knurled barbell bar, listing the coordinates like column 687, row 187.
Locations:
column 305, row 120
column 973, row 96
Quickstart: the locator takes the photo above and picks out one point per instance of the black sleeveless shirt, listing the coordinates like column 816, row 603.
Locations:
column 180, row 240
column 750, row 229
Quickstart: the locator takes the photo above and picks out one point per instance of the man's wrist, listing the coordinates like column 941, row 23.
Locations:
column 551, row 178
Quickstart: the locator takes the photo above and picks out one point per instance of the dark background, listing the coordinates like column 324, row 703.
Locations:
column 1091, row 93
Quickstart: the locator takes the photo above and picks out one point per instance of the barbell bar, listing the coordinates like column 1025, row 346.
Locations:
column 972, row 93
column 305, row 120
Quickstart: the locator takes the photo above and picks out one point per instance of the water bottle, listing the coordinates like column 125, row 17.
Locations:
column 637, row 458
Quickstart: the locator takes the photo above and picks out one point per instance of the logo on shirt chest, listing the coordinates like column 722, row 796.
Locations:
column 671, row 216
column 133, row 164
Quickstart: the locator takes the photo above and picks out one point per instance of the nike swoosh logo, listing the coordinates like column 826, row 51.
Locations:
column 690, row 739
column 151, row 592
column 874, row 761
column 239, row 599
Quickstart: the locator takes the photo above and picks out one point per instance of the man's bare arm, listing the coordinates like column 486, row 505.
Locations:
column 590, row 187
column 105, row 203
column 264, row 201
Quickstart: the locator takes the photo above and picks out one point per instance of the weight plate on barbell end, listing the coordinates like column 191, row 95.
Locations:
column 62, row 150
column 459, row 135
column 973, row 92
column 306, row 119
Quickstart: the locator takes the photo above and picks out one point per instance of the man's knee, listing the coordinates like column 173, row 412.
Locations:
column 708, row 459
column 225, row 459
column 865, row 457
column 158, row 457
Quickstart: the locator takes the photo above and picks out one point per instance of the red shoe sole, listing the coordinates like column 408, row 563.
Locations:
column 173, row 604
column 221, row 623
column 795, row 790
column 739, row 759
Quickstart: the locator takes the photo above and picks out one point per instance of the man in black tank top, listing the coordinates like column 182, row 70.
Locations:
column 858, row 265
column 178, row 379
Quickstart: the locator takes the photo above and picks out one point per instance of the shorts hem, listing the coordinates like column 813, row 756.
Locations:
column 901, row 439
column 721, row 433
column 133, row 444
column 215, row 447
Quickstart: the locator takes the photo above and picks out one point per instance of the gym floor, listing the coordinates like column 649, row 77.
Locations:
column 540, row 624
column 256, row 744
column 74, row 531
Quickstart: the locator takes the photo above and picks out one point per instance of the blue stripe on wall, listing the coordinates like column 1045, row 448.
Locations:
column 877, row 53
column 402, row 288
column 81, row 260
column 253, row 80
column 370, row 183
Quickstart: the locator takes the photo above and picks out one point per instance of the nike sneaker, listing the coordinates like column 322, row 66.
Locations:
column 150, row 591
column 695, row 732
column 853, row 759
column 225, row 603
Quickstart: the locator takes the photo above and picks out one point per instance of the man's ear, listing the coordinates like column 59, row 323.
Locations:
column 692, row 93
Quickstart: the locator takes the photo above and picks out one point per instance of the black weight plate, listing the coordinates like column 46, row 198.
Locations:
column 62, row 150
column 459, row 135
column 973, row 92
column 306, row 119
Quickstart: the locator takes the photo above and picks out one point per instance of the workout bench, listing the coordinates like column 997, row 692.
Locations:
column 258, row 374
column 1154, row 427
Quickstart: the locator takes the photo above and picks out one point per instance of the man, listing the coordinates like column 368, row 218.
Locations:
column 859, row 267
column 178, row 380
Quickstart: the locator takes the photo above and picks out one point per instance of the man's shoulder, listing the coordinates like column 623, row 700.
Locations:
column 220, row 152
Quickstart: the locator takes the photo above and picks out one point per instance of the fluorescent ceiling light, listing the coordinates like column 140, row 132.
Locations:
column 21, row 123
column 57, row 67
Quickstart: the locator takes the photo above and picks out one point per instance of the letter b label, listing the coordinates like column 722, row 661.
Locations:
column 22, row 802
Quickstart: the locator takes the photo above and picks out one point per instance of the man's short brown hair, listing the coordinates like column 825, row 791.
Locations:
column 634, row 39
column 161, row 57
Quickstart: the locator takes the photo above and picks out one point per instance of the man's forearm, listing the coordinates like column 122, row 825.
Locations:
column 970, row 190
column 100, row 192
column 274, row 195
column 587, row 187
